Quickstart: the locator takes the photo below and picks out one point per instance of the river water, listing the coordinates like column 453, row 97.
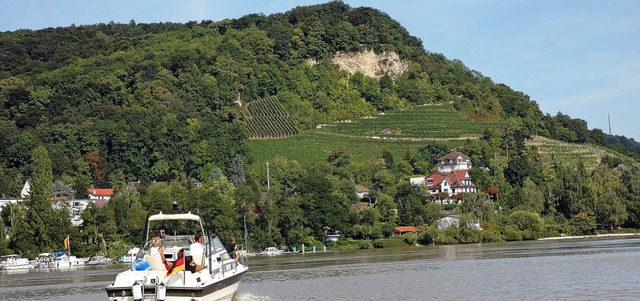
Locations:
column 577, row 269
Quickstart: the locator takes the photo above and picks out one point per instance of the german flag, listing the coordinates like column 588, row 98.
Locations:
column 177, row 266
column 66, row 244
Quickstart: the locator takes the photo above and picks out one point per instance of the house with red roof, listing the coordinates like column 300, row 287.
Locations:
column 452, row 177
column 96, row 194
column 402, row 230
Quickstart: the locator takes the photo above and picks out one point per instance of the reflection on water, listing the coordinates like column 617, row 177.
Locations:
column 603, row 269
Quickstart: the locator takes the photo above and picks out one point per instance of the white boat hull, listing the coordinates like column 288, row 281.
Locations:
column 221, row 289
column 16, row 267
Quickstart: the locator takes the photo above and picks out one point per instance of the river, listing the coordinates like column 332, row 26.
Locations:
column 576, row 269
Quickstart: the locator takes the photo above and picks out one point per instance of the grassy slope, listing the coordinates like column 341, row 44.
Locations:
column 361, row 137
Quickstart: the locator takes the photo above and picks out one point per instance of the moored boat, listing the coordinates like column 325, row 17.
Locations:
column 130, row 256
column 62, row 260
column 212, row 276
column 14, row 262
column 271, row 251
column 43, row 261
column 99, row 260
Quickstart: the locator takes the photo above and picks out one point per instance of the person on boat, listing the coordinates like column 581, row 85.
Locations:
column 156, row 250
column 197, row 248
column 230, row 246
column 190, row 265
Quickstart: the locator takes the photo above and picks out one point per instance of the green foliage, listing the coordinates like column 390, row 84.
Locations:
column 391, row 242
column 525, row 220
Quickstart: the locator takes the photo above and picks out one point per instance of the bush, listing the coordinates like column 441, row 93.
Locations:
column 427, row 235
column 525, row 220
column 365, row 244
column 492, row 235
column 447, row 237
column 392, row 242
column 511, row 234
column 410, row 239
column 343, row 245
column 581, row 224
column 467, row 236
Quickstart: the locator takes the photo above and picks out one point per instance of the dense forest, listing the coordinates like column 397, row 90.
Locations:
column 161, row 104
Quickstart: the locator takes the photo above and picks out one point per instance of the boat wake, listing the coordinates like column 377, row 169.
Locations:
column 251, row 297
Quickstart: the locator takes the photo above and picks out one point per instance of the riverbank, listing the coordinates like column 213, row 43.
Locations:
column 591, row 236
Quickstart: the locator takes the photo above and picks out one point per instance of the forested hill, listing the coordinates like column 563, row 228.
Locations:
column 118, row 102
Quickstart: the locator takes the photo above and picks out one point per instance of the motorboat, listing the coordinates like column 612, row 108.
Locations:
column 131, row 255
column 271, row 251
column 14, row 262
column 43, row 261
column 148, row 278
column 99, row 260
column 63, row 260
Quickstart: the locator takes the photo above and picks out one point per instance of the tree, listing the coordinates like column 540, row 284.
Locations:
column 338, row 157
column 605, row 197
column 532, row 197
column 40, row 213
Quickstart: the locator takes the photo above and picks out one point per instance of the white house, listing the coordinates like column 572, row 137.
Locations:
column 416, row 181
column 361, row 191
column 454, row 161
column 451, row 183
column 452, row 177
column 454, row 221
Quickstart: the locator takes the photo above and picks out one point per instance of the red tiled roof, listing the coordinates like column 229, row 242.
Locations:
column 454, row 179
column 100, row 191
column 405, row 229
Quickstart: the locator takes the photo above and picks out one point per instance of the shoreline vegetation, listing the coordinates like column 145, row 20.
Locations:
column 591, row 236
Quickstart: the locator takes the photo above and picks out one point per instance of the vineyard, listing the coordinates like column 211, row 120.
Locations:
column 269, row 120
column 394, row 131
column 430, row 122
column 590, row 155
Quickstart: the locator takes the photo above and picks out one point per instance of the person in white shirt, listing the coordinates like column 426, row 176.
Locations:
column 196, row 249
column 156, row 250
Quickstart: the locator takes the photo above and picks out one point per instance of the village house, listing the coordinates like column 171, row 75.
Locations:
column 99, row 196
column 452, row 177
column 454, row 221
column 362, row 191
column 402, row 230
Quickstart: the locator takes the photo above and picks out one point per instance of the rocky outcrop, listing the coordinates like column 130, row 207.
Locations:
column 371, row 64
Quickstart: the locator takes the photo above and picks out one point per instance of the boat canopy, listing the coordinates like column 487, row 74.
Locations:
column 182, row 216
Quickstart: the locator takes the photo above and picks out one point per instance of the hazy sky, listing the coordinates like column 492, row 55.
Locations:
column 578, row 57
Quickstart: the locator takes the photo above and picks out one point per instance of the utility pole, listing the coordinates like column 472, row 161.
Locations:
column 609, row 117
column 268, row 180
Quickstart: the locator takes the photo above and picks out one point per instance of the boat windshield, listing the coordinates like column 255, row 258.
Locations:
column 216, row 245
column 177, row 241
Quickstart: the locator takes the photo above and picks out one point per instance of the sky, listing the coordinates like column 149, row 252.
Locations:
column 578, row 57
